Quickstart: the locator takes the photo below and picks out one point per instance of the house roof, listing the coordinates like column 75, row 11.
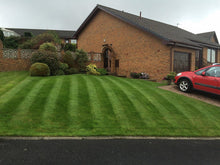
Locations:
column 170, row 34
column 64, row 34
column 209, row 35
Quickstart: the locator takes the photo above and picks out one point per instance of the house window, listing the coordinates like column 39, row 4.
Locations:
column 211, row 55
column 73, row 41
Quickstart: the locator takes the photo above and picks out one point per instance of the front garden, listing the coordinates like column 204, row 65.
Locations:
column 88, row 105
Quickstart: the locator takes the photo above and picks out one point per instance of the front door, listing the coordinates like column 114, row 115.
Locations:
column 105, row 57
column 181, row 62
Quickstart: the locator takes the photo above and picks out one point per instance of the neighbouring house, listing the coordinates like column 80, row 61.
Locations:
column 66, row 36
column 123, row 43
column 8, row 33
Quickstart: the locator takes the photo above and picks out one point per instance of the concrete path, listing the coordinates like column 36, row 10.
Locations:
column 110, row 152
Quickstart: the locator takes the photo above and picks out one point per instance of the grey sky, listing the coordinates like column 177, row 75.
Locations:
column 192, row 15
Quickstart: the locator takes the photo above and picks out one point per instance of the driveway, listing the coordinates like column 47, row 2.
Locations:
column 199, row 95
column 110, row 152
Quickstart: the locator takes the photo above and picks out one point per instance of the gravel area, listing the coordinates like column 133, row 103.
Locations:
column 199, row 95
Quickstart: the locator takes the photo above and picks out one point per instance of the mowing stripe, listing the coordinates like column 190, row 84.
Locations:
column 101, row 105
column 164, row 107
column 180, row 112
column 7, row 86
column 147, row 110
column 50, row 104
column 128, row 107
column 116, row 105
column 201, row 118
column 9, row 105
column 9, row 94
column 95, row 111
column 21, row 118
column 84, row 105
column 167, row 108
column 37, row 106
column 73, row 102
column 60, row 116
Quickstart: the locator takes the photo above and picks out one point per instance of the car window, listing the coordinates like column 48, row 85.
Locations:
column 211, row 72
column 217, row 71
column 200, row 72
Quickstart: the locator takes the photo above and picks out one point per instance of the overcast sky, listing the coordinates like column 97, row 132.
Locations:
column 196, row 16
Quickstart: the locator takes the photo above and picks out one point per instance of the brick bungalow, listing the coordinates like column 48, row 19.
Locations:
column 123, row 43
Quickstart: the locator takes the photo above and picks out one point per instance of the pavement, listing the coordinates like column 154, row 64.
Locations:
column 109, row 151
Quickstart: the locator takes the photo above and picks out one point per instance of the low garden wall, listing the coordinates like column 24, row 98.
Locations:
column 16, row 59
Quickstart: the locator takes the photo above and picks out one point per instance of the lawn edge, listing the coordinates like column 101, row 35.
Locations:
column 106, row 138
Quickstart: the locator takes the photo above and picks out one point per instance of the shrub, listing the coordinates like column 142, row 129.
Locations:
column 28, row 34
column 81, row 59
column 48, row 47
column 2, row 37
column 35, row 42
column 135, row 75
column 72, row 71
column 70, row 47
column 59, row 72
column 102, row 71
column 63, row 66
column 68, row 58
column 170, row 76
column 39, row 69
column 46, row 57
column 12, row 42
column 92, row 69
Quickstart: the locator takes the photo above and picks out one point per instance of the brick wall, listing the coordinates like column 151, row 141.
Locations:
column 15, row 59
column 136, row 50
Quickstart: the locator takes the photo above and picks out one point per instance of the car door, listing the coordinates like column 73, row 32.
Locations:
column 218, row 78
column 207, row 82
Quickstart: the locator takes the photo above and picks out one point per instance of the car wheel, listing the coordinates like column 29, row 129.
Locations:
column 185, row 85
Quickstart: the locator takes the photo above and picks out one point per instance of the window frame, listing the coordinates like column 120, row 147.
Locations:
column 211, row 53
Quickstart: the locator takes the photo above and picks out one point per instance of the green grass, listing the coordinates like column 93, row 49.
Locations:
column 85, row 105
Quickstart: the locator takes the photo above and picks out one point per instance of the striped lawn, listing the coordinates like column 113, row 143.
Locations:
column 85, row 105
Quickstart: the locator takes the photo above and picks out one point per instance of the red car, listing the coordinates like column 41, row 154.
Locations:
column 205, row 79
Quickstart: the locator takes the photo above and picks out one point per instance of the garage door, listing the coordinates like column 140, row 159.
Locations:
column 181, row 62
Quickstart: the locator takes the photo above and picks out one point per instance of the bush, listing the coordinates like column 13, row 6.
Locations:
column 70, row 47
column 35, row 42
column 135, row 75
column 46, row 57
column 102, row 71
column 68, row 58
column 59, row 72
column 72, row 71
column 39, row 69
column 92, row 69
column 48, row 47
column 12, row 42
column 28, row 34
column 170, row 76
column 63, row 66
column 2, row 37
column 81, row 59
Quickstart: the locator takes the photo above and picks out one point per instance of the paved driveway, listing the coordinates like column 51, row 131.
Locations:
column 110, row 152
column 199, row 95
